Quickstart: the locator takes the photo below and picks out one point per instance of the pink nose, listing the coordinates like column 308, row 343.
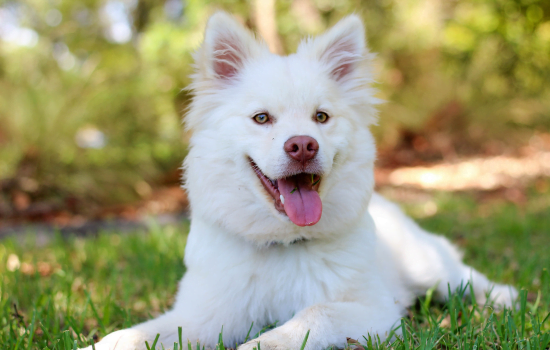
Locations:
column 302, row 148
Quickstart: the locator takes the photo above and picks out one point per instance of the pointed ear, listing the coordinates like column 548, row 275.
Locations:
column 341, row 48
column 226, row 48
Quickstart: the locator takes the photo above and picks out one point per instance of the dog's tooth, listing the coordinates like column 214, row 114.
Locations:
column 282, row 199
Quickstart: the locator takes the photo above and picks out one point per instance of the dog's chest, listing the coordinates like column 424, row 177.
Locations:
column 271, row 283
column 281, row 281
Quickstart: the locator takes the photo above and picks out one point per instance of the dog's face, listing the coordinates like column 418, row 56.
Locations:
column 281, row 148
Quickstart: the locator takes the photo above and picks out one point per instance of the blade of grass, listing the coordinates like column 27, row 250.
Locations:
column 405, row 340
column 107, row 308
column 303, row 343
column 99, row 320
column 67, row 340
column 248, row 334
column 46, row 332
column 155, row 341
column 220, row 345
column 31, row 333
column 523, row 310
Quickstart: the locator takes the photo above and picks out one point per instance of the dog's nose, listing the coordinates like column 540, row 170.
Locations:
column 302, row 148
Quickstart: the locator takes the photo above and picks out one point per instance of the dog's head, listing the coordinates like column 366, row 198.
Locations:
column 281, row 148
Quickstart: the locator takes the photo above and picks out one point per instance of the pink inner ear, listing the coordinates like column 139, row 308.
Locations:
column 228, row 57
column 342, row 55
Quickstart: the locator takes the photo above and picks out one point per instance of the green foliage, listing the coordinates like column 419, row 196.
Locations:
column 480, row 67
column 69, row 290
column 75, row 80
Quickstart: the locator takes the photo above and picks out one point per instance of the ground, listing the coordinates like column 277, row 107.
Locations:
column 56, row 292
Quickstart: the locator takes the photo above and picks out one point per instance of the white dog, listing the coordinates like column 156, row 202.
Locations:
column 285, row 226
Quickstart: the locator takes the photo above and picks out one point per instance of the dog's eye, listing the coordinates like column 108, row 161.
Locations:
column 321, row 117
column 261, row 118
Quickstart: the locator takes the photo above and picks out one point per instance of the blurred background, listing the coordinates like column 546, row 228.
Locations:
column 92, row 99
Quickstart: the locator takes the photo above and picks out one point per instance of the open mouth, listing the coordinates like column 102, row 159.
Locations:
column 296, row 196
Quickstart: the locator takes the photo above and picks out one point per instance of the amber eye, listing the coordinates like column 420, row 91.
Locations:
column 261, row 118
column 321, row 117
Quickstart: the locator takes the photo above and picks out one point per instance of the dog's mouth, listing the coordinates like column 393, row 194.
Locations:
column 296, row 196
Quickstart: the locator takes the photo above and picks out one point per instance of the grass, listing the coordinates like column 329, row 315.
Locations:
column 64, row 292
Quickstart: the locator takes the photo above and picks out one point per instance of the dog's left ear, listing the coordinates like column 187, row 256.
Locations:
column 341, row 48
column 226, row 48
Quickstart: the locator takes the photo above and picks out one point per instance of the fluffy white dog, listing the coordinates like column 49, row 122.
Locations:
column 284, row 222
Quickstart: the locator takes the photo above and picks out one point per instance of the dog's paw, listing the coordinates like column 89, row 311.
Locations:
column 283, row 338
column 270, row 341
column 264, row 345
column 250, row 345
column 126, row 339
column 503, row 296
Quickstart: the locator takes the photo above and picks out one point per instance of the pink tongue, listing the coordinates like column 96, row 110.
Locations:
column 303, row 206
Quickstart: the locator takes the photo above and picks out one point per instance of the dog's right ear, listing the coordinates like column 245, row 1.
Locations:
column 226, row 48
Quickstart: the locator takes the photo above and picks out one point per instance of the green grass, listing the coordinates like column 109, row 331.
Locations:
column 63, row 292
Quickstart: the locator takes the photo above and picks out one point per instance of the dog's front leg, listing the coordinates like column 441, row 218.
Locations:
column 166, row 326
column 329, row 324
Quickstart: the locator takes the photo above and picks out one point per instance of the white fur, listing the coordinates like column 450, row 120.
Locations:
column 352, row 273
